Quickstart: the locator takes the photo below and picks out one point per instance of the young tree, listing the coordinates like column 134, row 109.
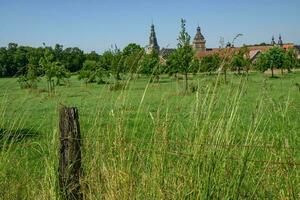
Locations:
column 117, row 64
column 183, row 56
column 113, row 62
column 31, row 75
column 52, row 69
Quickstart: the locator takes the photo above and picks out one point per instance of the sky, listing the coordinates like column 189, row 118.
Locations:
column 99, row 24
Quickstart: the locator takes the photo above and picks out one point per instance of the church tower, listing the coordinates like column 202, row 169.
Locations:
column 153, row 45
column 199, row 41
column 273, row 43
column 280, row 42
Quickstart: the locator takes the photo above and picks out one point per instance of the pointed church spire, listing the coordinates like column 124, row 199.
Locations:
column 280, row 42
column 273, row 41
column 153, row 44
column 199, row 41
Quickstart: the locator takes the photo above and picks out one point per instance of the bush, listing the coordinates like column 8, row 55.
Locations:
column 118, row 86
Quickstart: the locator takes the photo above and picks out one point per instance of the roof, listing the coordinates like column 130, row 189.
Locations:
column 253, row 51
column 165, row 52
column 199, row 36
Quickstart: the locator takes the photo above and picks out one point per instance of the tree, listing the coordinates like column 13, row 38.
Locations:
column 88, row 71
column 290, row 60
column 73, row 59
column 240, row 60
column 92, row 56
column 276, row 57
column 58, row 52
column 171, row 65
column 150, row 65
column 262, row 63
column 273, row 58
column 92, row 72
column 3, row 62
column 132, row 48
column 52, row 69
column 132, row 55
column 210, row 63
column 116, row 63
column 183, row 56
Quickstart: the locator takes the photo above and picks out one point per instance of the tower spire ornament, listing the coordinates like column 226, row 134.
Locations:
column 199, row 41
column 153, row 44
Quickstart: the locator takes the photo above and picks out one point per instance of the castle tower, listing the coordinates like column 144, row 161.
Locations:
column 153, row 45
column 280, row 42
column 273, row 43
column 199, row 41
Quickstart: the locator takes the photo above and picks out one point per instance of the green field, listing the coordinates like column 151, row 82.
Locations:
column 238, row 140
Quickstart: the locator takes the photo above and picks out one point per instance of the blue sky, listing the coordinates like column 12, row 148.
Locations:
column 96, row 25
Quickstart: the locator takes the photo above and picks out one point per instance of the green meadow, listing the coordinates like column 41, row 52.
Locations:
column 234, row 140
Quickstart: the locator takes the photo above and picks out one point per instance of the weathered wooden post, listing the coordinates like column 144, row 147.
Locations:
column 70, row 170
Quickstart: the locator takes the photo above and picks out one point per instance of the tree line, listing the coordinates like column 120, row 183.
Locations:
column 57, row 63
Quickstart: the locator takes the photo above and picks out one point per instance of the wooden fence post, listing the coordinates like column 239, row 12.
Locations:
column 70, row 170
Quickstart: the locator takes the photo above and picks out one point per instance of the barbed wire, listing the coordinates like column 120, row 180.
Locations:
column 21, row 137
column 290, row 164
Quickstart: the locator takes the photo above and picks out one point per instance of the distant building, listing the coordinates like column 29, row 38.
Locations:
column 199, row 46
column 199, row 41
column 280, row 42
column 153, row 45
column 273, row 43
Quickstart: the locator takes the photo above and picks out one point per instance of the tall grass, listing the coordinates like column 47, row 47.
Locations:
column 203, row 150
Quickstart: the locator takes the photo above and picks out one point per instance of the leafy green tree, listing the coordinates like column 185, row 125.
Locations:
column 115, row 64
column 195, row 66
column 132, row 48
column 273, row 58
column 92, row 56
column 210, row 63
column 171, row 65
column 92, row 72
column 31, row 77
column 150, row 65
column 52, row 69
column 73, row 59
column 276, row 56
column 240, row 60
column 132, row 55
column 262, row 63
column 58, row 52
column 291, row 60
column 3, row 61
